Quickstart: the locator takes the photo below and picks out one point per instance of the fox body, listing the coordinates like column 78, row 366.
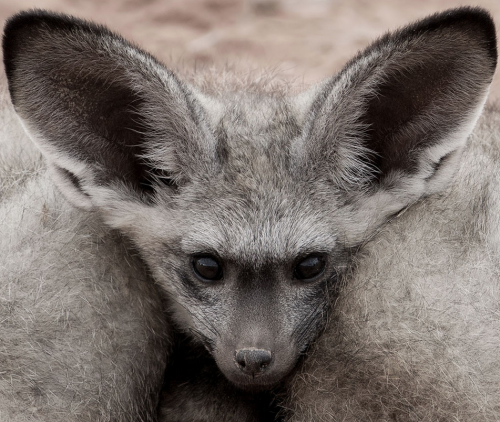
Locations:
column 83, row 332
column 413, row 335
column 265, row 216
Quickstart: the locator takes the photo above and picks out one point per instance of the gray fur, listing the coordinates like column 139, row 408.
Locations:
column 414, row 334
column 261, row 179
column 83, row 337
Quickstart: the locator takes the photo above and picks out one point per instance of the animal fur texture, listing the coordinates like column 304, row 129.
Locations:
column 84, row 333
column 83, row 337
column 414, row 333
column 362, row 209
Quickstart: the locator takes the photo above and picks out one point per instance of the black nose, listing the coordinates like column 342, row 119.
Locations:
column 253, row 361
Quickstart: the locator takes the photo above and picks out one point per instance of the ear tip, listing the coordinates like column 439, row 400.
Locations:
column 461, row 16
column 476, row 21
column 36, row 19
column 17, row 24
column 27, row 28
column 16, row 28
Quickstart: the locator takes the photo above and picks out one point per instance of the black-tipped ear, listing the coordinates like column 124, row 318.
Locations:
column 401, row 108
column 98, row 106
column 421, row 102
column 390, row 127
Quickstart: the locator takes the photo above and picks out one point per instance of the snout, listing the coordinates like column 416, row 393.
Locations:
column 253, row 362
column 255, row 367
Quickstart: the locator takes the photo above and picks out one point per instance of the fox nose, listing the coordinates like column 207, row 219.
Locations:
column 253, row 361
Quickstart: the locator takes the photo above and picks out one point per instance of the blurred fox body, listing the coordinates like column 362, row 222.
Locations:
column 414, row 334
column 83, row 332
column 359, row 207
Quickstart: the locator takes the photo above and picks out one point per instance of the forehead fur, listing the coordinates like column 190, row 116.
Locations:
column 271, row 230
column 255, row 133
column 258, row 208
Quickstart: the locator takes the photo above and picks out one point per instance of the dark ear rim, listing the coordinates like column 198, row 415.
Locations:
column 373, row 68
column 141, row 82
column 68, row 23
column 476, row 16
column 39, row 17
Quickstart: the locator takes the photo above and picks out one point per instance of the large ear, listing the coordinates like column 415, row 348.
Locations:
column 105, row 113
column 390, row 127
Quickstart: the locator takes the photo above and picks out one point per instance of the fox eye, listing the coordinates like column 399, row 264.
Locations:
column 207, row 268
column 310, row 267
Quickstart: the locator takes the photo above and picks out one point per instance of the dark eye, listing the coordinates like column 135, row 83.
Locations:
column 310, row 267
column 207, row 268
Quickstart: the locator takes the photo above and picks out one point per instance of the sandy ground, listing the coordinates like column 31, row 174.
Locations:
column 301, row 40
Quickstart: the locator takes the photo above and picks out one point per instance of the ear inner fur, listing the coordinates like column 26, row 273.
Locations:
column 406, row 92
column 379, row 129
column 87, row 95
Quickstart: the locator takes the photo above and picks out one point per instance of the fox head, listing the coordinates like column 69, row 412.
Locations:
column 246, row 203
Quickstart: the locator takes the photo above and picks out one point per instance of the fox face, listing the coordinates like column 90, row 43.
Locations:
column 246, row 204
column 249, row 254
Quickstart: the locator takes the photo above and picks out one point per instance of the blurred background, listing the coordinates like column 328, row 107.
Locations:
column 301, row 40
